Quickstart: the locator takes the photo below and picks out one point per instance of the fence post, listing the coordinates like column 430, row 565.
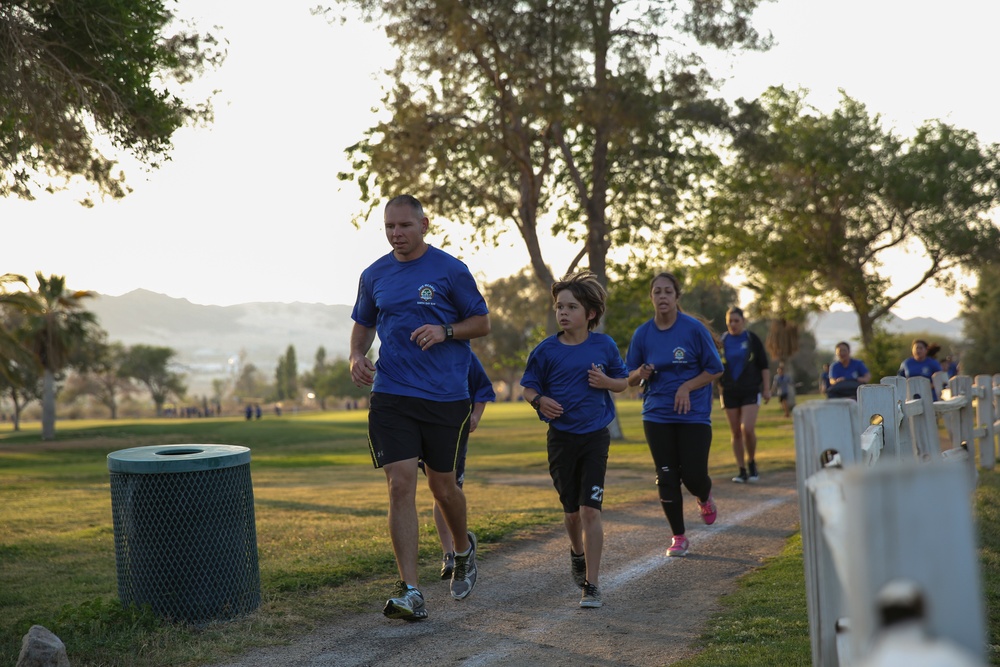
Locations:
column 985, row 417
column 877, row 406
column 892, row 508
column 822, row 429
column 951, row 425
column 923, row 418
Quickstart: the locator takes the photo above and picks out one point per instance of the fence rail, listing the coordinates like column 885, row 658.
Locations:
column 888, row 536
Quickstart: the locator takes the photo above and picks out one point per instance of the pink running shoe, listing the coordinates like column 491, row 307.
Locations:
column 708, row 511
column 678, row 546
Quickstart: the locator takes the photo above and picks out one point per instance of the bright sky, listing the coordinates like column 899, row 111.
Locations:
column 249, row 209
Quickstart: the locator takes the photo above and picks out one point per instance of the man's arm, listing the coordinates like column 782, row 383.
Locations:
column 430, row 334
column 362, row 368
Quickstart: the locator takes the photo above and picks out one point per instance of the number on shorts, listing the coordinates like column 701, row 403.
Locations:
column 597, row 493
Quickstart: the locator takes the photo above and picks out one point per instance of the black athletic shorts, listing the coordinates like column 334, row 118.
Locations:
column 737, row 398
column 404, row 427
column 578, row 464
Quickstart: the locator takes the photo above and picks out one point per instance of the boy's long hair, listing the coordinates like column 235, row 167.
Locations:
column 586, row 289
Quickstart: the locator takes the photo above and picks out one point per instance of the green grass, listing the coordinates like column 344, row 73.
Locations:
column 323, row 544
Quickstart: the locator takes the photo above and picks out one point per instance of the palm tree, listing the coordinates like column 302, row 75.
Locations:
column 13, row 303
column 58, row 326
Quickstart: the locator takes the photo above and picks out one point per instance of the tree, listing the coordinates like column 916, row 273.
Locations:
column 286, row 378
column 517, row 308
column 150, row 365
column 77, row 74
column 13, row 306
column 101, row 376
column 320, row 379
column 22, row 383
column 589, row 110
column 251, row 383
column 54, row 331
column 810, row 204
column 980, row 315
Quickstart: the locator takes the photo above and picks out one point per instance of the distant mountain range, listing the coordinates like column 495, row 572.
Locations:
column 830, row 328
column 209, row 339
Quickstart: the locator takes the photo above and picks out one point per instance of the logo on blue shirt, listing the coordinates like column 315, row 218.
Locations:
column 426, row 293
column 680, row 355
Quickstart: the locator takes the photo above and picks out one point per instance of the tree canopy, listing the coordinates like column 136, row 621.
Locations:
column 80, row 77
column 590, row 112
column 811, row 203
column 980, row 314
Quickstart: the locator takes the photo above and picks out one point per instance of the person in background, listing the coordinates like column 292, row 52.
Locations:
column 745, row 379
column 951, row 363
column 785, row 389
column 675, row 356
column 824, row 379
column 846, row 374
column 567, row 380
column 919, row 364
column 425, row 307
column 480, row 393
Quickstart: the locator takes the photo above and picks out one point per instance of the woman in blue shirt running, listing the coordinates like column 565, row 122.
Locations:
column 676, row 358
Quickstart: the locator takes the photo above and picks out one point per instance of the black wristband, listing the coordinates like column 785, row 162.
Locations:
column 449, row 333
column 536, row 402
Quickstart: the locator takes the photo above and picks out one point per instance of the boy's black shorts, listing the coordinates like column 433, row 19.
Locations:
column 404, row 427
column 578, row 464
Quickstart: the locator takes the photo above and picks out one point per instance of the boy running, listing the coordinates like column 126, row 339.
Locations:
column 566, row 380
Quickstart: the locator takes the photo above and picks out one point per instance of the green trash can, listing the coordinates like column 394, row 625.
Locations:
column 185, row 533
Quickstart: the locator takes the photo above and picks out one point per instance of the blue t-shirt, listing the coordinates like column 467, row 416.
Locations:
column 398, row 297
column 480, row 386
column 911, row 368
column 736, row 349
column 677, row 354
column 559, row 371
column 855, row 369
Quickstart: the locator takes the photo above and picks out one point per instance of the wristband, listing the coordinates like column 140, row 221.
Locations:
column 536, row 402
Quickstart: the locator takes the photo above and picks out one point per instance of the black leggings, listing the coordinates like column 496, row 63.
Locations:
column 680, row 453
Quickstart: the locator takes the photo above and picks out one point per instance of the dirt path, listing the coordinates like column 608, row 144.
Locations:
column 525, row 610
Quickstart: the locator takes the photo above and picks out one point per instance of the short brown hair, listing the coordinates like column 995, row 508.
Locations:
column 586, row 289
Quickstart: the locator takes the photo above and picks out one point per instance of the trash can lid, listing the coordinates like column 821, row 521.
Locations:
column 177, row 458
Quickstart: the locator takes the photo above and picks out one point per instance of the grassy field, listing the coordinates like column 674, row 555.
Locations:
column 323, row 544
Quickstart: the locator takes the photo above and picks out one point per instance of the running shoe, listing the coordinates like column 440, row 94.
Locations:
column 753, row 472
column 742, row 478
column 591, row 598
column 678, row 546
column 463, row 579
column 708, row 510
column 447, row 565
column 407, row 605
column 579, row 567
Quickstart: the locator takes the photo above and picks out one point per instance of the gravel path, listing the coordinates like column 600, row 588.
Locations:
column 524, row 610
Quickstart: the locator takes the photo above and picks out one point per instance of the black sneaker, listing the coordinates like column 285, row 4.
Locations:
column 578, row 565
column 591, row 598
column 742, row 478
column 753, row 472
column 447, row 565
column 407, row 605
column 463, row 579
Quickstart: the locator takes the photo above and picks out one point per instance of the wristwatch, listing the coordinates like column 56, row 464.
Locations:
column 536, row 402
column 449, row 333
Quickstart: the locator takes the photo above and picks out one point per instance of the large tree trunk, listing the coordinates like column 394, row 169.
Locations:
column 48, row 405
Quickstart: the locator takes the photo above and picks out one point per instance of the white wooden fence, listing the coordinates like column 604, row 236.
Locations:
column 888, row 535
